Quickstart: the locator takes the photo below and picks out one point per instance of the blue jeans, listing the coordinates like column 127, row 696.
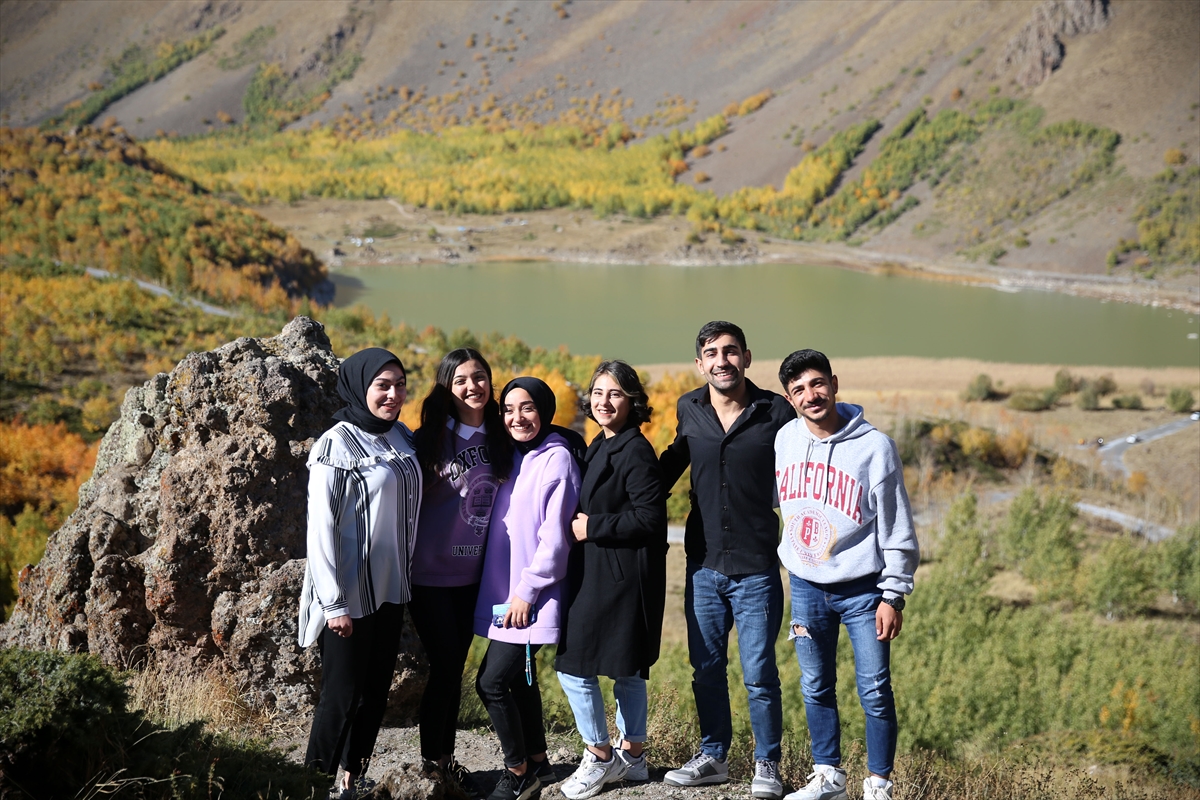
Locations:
column 588, row 705
column 713, row 603
column 819, row 609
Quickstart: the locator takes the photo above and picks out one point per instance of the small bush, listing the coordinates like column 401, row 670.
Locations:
column 980, row 389
column 1129, row 402
column 1174, row 157
column 1104, row 385
column 702, row 177
column 1177, row 567
column 1180, row 400
column 1064, row 382
column 1033, row 400
column 1117, row 582
column 1040, row 540
column 1088, row 399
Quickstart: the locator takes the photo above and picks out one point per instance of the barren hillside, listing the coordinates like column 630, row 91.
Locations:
column 1130, row 66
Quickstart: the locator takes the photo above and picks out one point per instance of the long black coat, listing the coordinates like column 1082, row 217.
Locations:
column 617, row 581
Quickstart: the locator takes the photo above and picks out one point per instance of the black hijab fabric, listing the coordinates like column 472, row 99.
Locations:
column 354, row 378
column 543, row 400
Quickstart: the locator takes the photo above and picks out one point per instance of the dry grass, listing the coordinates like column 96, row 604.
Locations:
column 173, row 697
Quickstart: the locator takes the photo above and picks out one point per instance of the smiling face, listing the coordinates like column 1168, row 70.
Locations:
column 610, row 405
column 471, row 389
column 814, row 396
column 387, row 392
column 723, row 363
column 521, row 418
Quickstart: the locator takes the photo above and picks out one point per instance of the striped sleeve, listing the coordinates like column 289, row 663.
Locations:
column 327, row 494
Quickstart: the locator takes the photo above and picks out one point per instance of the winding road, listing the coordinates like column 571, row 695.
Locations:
column 1112, row 453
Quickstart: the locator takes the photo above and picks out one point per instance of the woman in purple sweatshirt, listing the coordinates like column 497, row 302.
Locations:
column 524, row 566
column 465, row 453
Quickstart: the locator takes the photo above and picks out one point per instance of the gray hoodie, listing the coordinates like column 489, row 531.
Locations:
column 845, row 510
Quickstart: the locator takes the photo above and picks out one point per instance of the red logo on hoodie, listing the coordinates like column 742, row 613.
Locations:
column 811, row 535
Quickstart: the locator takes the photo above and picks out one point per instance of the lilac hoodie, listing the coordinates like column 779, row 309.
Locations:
column 528, row 542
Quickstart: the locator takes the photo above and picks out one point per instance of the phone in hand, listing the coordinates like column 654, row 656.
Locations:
column 499, row 610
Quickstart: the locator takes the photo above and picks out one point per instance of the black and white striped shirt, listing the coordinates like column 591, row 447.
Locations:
column 364, row 498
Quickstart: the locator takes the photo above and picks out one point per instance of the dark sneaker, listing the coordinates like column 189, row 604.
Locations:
column 543, row 770
column 516, row 787
column 702, row 770
column 462, row 777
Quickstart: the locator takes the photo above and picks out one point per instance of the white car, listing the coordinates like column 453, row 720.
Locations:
column 1132, row 438
column 1196, row 416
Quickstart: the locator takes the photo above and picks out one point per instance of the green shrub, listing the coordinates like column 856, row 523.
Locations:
column 1040, row 540
column 65, row 731
column 1033, row 400
column 1104, row 385
column 1088, row 400
column 1178, row 565
column 1180, row 400
column 1065, row 382
column 1128, row 401
column 979, row 389
column 1118, row 580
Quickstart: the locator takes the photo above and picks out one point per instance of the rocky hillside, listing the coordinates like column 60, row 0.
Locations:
column 1131, row 67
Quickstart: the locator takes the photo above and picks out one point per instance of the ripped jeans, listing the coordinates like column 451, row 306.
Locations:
column 818, row 609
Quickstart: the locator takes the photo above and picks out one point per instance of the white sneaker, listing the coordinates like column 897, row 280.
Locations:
column 766, row 783
column 702, row 770
column 635, row 768
column 873, row 791
column 825, row 783
column 591, row 776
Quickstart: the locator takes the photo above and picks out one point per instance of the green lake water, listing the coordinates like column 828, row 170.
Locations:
column 650, row 314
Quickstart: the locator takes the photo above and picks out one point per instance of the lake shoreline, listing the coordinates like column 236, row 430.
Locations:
column 339, row 232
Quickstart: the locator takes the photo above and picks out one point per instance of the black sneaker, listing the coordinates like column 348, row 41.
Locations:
column 462, row 777
column 516, row 787
column 543, row 770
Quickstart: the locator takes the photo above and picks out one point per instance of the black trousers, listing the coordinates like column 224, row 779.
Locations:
column 514, row 706
column 443, row 617
column 356, row 673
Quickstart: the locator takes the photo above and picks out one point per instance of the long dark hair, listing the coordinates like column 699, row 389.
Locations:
column 439, row 407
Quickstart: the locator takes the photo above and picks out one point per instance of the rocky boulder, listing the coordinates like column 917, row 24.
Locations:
column 1037, row 49
column 188, row 544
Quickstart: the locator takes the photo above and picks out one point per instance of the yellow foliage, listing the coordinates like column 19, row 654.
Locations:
column 979, row 443
column 1014, row 447
column 43, row 466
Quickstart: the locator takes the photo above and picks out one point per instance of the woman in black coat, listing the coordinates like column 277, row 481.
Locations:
column 617, row 582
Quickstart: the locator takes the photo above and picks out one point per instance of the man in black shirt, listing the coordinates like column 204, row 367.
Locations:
column 726, row 432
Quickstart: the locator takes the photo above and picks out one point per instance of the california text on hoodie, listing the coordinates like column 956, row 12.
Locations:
column 529, row 540
column 844, row 507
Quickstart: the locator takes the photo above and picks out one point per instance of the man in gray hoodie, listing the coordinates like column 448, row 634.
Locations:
column 849, row 545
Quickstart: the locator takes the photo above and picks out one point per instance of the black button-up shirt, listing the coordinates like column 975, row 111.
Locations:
column 732, row 527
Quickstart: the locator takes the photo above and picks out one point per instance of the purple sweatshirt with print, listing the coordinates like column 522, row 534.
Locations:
column 455, row 511
column 528, row 542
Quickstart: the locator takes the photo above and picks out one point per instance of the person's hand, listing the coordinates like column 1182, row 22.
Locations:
column 579, row 527
column 343, row 626
column 888, row 622
column 518, row 614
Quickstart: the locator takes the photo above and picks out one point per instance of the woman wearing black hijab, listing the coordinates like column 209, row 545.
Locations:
column 364, row 496
column 525, row 562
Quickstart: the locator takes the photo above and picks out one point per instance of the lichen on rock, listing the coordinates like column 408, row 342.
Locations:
column 188, row 543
